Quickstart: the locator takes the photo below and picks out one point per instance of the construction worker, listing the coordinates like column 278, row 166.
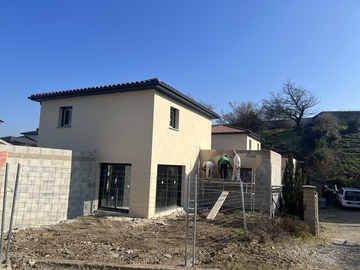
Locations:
column 208, row 168
column 223, row 164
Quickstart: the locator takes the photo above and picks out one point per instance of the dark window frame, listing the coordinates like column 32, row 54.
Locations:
column 66, row 116
column 168, row 187
column 174, row 118
column 113, row 183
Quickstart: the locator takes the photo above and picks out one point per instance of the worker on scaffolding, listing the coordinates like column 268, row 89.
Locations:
column 223, row 164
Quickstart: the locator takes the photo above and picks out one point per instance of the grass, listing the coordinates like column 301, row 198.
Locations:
column 267, row 230
column 281, row 140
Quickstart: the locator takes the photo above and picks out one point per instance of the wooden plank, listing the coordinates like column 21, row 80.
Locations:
column 217, row 205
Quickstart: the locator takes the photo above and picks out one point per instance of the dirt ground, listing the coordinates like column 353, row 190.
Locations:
column 107, row 242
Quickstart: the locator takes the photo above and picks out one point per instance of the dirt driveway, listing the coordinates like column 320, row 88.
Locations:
column 342, row 226
column 133, row 241
column 341, row 229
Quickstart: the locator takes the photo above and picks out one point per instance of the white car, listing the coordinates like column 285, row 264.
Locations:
column 348, row 197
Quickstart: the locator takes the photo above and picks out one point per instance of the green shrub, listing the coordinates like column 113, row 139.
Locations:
column 353, row 125
column 292, row 193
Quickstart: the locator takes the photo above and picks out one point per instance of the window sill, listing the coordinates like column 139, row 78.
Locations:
column 176, row 129
column 69, row 126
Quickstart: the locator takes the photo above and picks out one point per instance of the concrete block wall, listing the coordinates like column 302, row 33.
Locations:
column 83, row 185
column 54, row 185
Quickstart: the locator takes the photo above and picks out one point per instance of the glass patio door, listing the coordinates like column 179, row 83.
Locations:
column 114, row 187
column 168, row 186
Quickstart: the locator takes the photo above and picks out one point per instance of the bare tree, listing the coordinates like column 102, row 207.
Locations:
column 292, row 102
column 245, row 114
column 208, row 105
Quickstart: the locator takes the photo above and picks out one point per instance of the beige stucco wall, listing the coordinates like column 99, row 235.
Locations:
column 102, row 123
column 133, row 128
column 234, row 141
column 176, row 146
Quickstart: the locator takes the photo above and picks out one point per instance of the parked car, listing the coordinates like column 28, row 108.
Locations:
column 348, row 197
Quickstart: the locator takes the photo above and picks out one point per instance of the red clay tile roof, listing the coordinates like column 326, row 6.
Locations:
column 155, row 83
column 219, row 129
column 229, row 129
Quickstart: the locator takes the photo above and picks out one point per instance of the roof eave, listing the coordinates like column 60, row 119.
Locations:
column 93, row 91
column 172, row 92
column 144, row 85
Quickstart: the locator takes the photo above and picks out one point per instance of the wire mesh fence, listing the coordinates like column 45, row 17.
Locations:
column 44, row 197
column 222, row 203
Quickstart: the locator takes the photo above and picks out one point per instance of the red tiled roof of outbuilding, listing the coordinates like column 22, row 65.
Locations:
column 223, row 128
column 230, row 129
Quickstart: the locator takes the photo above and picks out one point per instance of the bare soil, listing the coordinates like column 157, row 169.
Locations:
column 109, row 242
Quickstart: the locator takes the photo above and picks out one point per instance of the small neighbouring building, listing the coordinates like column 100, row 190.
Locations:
column 225, row 136
column 146, row 135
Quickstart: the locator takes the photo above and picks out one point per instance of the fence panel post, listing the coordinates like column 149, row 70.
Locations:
column 311, row 213
column 243, row 206
column 3, row 212
column 12, row 215
column 191, row 215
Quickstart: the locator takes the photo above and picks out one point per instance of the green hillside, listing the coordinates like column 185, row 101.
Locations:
column 342, row 164
column 349, row 154
column 283, row 140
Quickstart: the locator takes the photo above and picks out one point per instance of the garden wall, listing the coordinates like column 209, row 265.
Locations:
column 54, row 185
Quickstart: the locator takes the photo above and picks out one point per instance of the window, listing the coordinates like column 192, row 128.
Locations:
column 65, row 116
column 114, row 189
column 174, row 118
column 168, row 186
column 249, row 144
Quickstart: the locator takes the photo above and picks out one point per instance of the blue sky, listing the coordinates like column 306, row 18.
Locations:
column 214, row 51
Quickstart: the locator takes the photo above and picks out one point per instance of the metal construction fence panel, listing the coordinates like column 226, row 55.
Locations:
column 210, row 201
column 255, row 197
